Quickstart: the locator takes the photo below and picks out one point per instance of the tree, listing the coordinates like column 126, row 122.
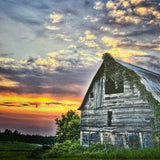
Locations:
column 68, row 127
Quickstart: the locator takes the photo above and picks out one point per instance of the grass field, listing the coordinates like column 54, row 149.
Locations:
column 17, row 155
column 8, row 145
column 21, row 151
column 15, row 150
column 23, row 155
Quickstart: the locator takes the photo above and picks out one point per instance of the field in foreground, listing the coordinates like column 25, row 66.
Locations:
column 15, row 150
column 18, row 155
column 16, row 146
column 21, row 151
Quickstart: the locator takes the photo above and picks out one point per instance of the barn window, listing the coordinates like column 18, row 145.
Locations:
column 113, row 86
column 91, row 95
column 109, row 119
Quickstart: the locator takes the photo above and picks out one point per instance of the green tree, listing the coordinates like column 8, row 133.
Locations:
column 68, row 127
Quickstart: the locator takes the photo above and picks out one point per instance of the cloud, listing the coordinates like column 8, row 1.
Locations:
column 110, row 5
column 89, row 35
column 63, row 37
column 135, row 12
column 91, row 19
column 53, row 54
column 90, row 43
column 150, row 62
column 55, row 17
column 54, row 28
column 6, row 60
column 110, row 41
column 55, row 74
column 143, row 11
column 136, row 1
column 4, row 81
column 4, row 55
column 89, row 39
column 125, row 3
column 30, row 60
column 98, row 5
column 103, row 28
column 123, row 54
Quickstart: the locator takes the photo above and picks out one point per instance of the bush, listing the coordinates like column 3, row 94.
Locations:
column 97, row 150
column 59, row 149
column 96, row 147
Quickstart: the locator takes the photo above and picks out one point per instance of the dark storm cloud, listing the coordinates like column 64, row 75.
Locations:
column 138, row 45
column 31, row 60
column 150, row 62
column 37, row 81
column 6, row 54
column 153, row 31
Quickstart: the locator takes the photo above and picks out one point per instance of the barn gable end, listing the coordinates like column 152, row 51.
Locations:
column 114, row 111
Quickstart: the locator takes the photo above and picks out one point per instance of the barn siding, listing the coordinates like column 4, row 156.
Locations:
column 130, row 113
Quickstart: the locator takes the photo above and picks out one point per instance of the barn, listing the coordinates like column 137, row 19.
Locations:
column 121, row 107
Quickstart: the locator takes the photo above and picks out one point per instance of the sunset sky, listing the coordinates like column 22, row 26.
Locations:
column 50, row 50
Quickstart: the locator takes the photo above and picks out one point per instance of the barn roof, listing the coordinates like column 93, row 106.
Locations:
column 150, row 79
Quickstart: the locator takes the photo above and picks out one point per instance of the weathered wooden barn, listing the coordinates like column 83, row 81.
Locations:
column 121, row 106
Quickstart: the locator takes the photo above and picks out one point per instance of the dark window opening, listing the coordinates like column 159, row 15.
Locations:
column 109, row 119
column 113, row 86
column 91, row 95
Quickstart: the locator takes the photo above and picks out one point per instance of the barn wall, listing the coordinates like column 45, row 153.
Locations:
column 130, row 116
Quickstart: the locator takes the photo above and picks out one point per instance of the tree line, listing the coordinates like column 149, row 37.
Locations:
column 8, row 135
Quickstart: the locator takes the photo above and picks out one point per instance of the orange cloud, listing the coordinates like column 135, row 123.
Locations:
column 136, row 1
column 110, row 41
column 143, row 11
column 117, row 13
column 123, row 54
column 109, row 4
column 125, row 4
column 89, row 35
column 6, row 82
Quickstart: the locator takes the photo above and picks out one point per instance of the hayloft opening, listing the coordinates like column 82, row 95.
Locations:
column 112, row 86
column 109, row 119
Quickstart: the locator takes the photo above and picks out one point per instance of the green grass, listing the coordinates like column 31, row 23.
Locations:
column 16, row 150
column 14, row 155
column 93, row 159
column 8, row 145
column 22, row 151
column 23, row 155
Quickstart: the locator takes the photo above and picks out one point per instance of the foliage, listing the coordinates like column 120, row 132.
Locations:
column 68, row 127
column 69, row 149
column 118, row 72
column 8, row 135
column 73, row 150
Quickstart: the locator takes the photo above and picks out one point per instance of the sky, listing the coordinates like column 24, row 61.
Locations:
column 51, row 49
